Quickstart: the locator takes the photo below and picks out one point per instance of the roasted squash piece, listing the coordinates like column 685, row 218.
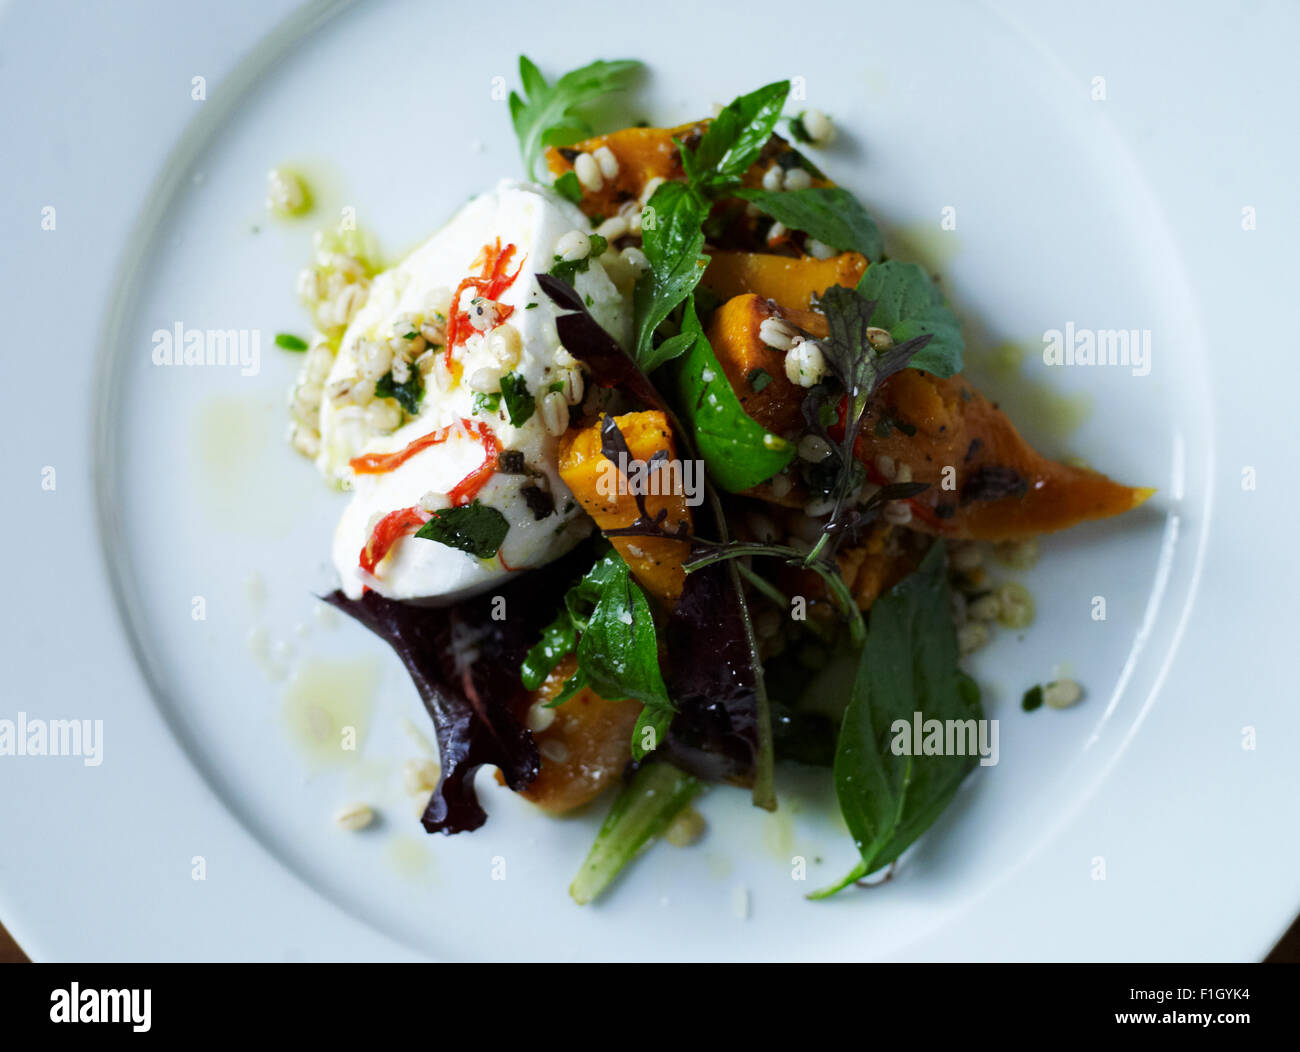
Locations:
column 790, row 281
column 1000, row 488
column 642, row 153
column 584, row 749
column 656, row 563
column 734, row 334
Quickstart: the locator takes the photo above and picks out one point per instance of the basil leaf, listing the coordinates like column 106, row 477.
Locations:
column 829, row 213
column 909, row 304
column 547, row 114
column 734, row 139
column 908, row 665
column 520, row 405
column 738, row 451
column 477, row 529
column 558, row 639
column 619, row 650
column 408, row 394
column 673, row 241
column 617, row 647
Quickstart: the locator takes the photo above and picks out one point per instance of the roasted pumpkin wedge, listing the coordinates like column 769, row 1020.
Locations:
column 996, row 486
column 792, row 281
column 644, row 154
column 584, row 749
column 755, row 370
column 986, row 481
column 654, row 562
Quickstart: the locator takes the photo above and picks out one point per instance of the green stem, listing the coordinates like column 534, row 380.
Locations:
column 641, row 812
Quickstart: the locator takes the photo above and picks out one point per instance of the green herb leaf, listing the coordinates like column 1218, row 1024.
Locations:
column 738, row 451
column 568, row 269
column 548, row 114
column 558, row 639
column 520, row 405
column 486, row 403
column 908, row 665
column 829, row 213
column 1033, row 698
column 477, row 528
column 568, row 187
column 290, row 342
column 673, row 242
column 909, row 304
column 734, row 139
column 641, row 812
column 408, row 395
column 758, row 379
column 609, row 617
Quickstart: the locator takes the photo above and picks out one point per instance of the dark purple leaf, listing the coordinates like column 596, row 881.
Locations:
column 465, row 666
column 711, row 678
column 583, row 337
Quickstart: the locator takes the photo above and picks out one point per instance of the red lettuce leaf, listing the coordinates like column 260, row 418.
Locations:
column 465, row 666
column 714, row 735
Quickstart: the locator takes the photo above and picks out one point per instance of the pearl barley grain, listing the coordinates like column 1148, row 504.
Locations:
column 354, row 817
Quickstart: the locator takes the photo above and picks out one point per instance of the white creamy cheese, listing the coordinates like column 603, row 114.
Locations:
column 532, row 219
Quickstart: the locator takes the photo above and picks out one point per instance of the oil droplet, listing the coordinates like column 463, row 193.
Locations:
column 1037, row 408
column 925, row 243
column 231, row 439
column 327, row 708
column 410, row 857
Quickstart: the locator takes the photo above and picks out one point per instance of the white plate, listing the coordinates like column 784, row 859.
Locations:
column 175, row 483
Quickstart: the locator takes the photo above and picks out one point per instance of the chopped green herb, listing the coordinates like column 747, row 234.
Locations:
column 290, row 342
column 477, row 529
column 486, row 403
column 1033, row 698
column 520, row 405
column 567, row 186
column 568, row 269
column 408, row 395
column 758, row 379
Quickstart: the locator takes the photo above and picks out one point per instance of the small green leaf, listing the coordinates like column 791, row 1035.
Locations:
column 735, row 138
column 477, row 529
column 568, row 269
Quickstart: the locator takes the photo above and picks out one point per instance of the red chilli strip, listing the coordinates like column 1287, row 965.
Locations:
column 491, row 281
column 387, row 532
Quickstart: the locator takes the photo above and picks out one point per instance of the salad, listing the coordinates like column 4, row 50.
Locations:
column 662, row 473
